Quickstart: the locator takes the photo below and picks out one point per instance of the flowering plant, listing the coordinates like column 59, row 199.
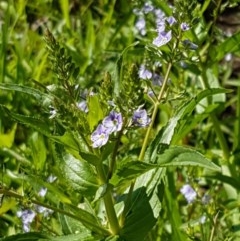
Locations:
column 115, row 144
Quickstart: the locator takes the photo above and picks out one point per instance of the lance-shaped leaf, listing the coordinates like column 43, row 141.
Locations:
column 169, row 134
column 174, row 156
column 40, row 96
column 144, row 208
column 80, row 175
column 44, row 126
column 183, row 156
column 230, row 45
column 27, row 237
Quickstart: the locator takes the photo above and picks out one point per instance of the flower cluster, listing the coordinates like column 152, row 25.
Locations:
column 140, row 24
column 113, row 123
column 110, row 124
column 27, row 216
column 140, row 118
column 42, row 193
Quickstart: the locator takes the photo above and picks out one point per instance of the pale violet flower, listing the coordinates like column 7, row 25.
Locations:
column 162, row 38
column 100, row 136
column 27, row 216
column 45, row 211
column 160, row 26
column 140, row 118
column 157, row 80
column 113, row 122
column 144, row 73
column 184, row 26
column 82, row 105
column 42, row 192
column 141, row 26
column 171, row 20
column 148, row 7
column 160, row 20
column 189, row 193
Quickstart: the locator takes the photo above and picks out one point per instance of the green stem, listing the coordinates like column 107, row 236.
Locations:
column 114, row 155
column 214, row 227
column 108, row 202
column 154, row 114
column 145, row 142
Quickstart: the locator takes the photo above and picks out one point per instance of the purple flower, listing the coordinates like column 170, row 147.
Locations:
column 140, row 118
column 82, row 105
column 189, row 193
column 157, row 80
column 148, row 7
column 113, row 122
column 144, row 73
column 184, row 26
column 162, row 38
column 42, row 192
column 45, row 211
column 141, row 26
column 27, row 216
column 171, row 20
column 100, row 136
column 160, row 20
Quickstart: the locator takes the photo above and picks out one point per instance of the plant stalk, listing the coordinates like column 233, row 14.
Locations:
column 146, row 140
column 108, row 202
column 154, row 114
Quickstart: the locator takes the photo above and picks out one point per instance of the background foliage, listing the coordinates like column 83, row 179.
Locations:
column 58, row 55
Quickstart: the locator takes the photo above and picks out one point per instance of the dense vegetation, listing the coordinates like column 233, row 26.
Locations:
column 119, row 120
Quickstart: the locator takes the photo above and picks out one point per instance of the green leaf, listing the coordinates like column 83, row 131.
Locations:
column 43, row 126
column 230, row 45
column 174, row 156
column 89, row 157
column 183, row 156
column 26, row 237
column 7, row 140
column 144, row 209
column 83, row 236
column 73, row 226
column 225, row 179
column 140, row 219
column 95, row 113
column 170, row 132
column 184, row 111
column 80, row 175
column 40, row 96
column 39, row 152
column 68, row 140
column 130, row 171
column 87, row 217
